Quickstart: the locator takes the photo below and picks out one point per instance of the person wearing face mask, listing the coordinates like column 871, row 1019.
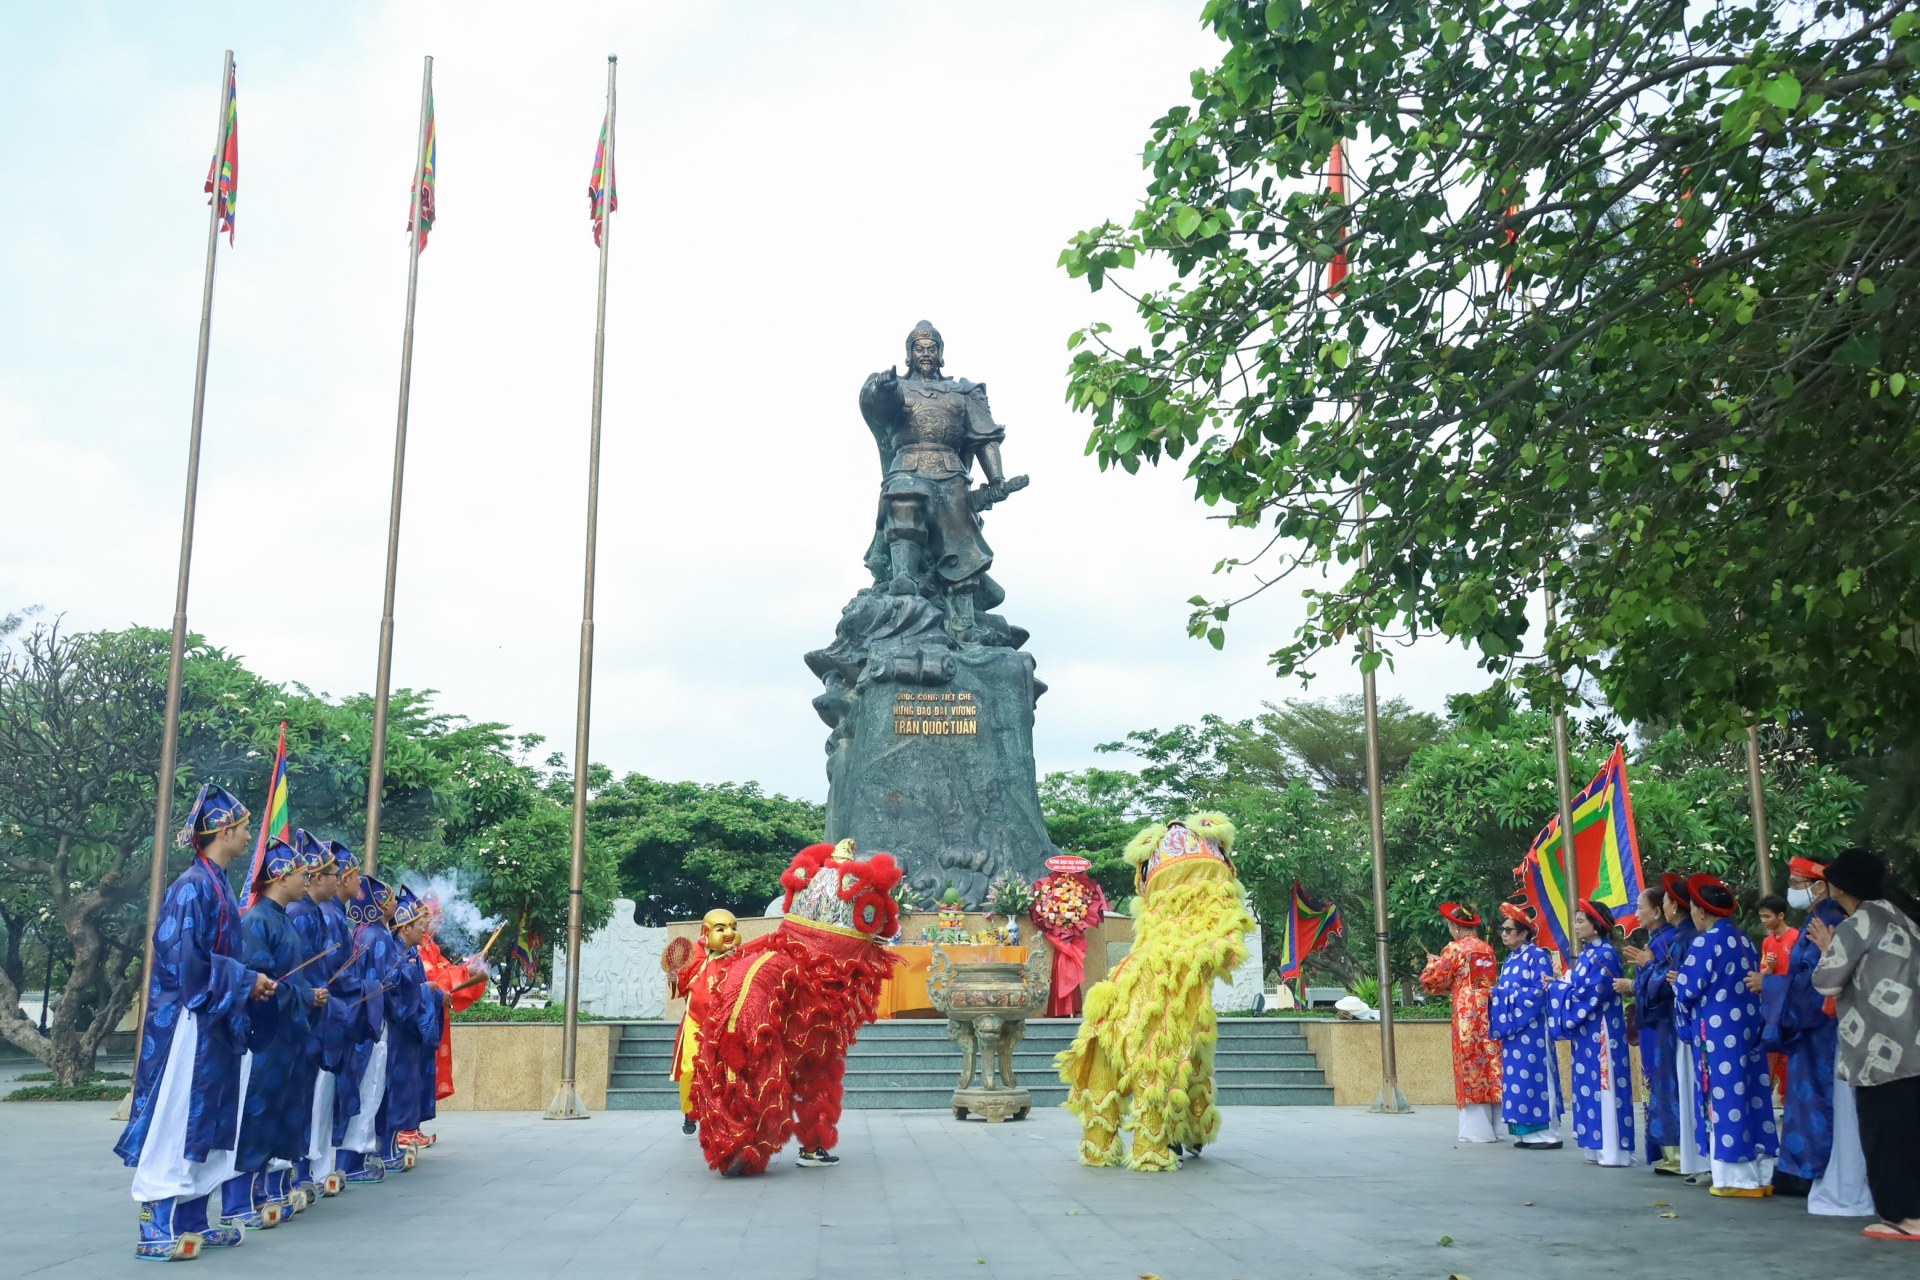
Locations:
column 1710, row 992
column 1868, row 964
column 1800, row 1025
column 1653, row 1003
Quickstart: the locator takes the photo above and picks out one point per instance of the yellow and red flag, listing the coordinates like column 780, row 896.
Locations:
column 423, row 180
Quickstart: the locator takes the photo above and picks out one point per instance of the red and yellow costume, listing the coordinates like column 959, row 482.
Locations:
column 454, row 979
column 785, row 1007
column 1467, row 968
column 694, row 982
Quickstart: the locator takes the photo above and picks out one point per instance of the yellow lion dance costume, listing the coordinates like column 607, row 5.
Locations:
column 1144, row 1057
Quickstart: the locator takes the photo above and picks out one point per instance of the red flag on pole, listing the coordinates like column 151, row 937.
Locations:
column 1337, row 184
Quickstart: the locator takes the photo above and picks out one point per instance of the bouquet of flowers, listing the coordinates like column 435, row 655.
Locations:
column 1064, row 903
column 1009, row 896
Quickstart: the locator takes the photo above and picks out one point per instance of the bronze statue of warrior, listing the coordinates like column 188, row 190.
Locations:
column 930, row 430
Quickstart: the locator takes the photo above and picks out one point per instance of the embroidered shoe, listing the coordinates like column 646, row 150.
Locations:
column 161, row 1239
column 309, row 1191
column 374, row 1170
column 222, row 1237
column 1744, row 1193
column 336, row 1183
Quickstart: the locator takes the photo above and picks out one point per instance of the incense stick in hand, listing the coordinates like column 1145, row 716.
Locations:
column 304, row 963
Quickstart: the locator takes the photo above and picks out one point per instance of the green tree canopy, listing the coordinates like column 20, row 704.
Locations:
column 684, row 848
column 1630, row 314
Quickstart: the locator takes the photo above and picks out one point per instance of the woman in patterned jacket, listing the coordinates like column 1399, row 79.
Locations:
column 1466, row 970
column 1517, row 1016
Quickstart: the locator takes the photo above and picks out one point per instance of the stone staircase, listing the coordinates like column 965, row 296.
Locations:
column 910, row 1063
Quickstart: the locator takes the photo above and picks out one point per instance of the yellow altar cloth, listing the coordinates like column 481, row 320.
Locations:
column 906, row 992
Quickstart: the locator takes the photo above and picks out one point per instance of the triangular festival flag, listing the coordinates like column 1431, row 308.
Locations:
column 275, row 821
column 423, row 181
column 603, row 196
column 223, row 175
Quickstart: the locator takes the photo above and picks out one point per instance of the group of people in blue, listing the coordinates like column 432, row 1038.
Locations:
column 1706, row 1017
column 287, row 1050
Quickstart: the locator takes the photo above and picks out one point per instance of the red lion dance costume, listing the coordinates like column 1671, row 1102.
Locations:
column 775, row 1036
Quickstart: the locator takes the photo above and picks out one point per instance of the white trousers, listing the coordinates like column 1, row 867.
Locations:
column 1692, row 1159
column 1743, row 1174
column 1841, row 1192
column 320, row 1132
column 1480, row 1122
column 373, row 1087
column 164, row 1170
column 1610, row 1155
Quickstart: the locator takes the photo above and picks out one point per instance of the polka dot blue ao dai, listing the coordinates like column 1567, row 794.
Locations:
column 1716, row 1010
column 1587, row 1011
column 1518, row 1017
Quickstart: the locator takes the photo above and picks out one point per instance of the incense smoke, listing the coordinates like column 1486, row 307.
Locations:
column 461, row 928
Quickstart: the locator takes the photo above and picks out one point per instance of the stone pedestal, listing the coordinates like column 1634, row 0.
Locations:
column 931, row 754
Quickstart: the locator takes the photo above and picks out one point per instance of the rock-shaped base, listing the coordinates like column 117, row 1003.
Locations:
column 940, row 774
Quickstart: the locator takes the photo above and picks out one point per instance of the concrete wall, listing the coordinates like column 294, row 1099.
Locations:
column 515, row 1066
column 1349, row 1052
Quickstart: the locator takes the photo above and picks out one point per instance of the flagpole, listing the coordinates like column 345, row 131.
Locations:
column 377, row 765
column 176, row 657
column 1563, row 778
column 1390, row 1100
column 1756, row 792
column 566, row 1103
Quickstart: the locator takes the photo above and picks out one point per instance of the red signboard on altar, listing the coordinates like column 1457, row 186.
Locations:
column 1067, row 864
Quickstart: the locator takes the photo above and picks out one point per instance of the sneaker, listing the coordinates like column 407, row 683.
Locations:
column 688, row 1126
column 821, row 1159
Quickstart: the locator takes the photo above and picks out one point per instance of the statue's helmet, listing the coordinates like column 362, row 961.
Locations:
column 925, row 329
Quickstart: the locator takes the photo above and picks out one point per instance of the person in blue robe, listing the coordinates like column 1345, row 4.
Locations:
column 1587, row 1010
column 273, row 1117
column 1694, row 1164
column 1710, row 991
column 1653, row 1010
column 1798, row 1025
column 193, row 1063
column 325, row 933
column 414, row 1024
column 362, row 1087
column 1518, row 1016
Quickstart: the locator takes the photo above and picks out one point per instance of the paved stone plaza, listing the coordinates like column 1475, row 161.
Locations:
column 1289, row 1191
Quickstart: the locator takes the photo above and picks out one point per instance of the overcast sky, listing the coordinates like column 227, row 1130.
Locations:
column 800, row 183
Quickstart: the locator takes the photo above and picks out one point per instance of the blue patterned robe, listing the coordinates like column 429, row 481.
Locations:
column 1659, row 1050
column 379, row 958
column 413, row 1030
column 1710, row 993
column 1587, row 1011
column 196, row 967
column 1798, row 1025
column 279, row 1101
column 1518, row 1017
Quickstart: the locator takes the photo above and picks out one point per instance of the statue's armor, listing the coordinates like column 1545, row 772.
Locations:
column 928, row 432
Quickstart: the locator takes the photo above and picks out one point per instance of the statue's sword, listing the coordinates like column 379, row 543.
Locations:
column 986, row 495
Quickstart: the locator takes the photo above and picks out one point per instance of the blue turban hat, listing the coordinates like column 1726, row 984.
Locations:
column 214, row 810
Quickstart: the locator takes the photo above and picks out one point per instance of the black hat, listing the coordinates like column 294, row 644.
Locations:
column 1858, row 873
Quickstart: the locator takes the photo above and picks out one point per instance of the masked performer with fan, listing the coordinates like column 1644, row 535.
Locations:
column 774, row 1039
column 691, row 977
